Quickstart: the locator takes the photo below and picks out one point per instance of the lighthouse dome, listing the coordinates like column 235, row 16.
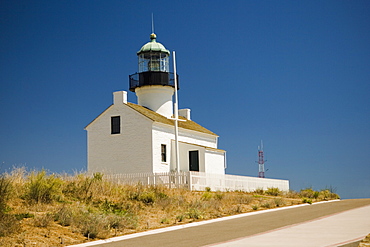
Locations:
column 153, row 46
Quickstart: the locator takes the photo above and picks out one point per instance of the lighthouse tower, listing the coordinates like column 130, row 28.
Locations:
column 142, row 137
column 154, row 84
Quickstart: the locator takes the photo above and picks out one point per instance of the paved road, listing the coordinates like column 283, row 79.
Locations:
column 225, row 232
column 340, row 229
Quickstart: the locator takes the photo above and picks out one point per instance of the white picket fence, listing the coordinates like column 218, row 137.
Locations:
column 199, row 181
column 169, row 179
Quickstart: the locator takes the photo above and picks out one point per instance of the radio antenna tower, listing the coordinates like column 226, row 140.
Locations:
column 261, row 162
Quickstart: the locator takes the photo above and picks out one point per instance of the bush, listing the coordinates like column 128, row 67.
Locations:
column 292, row 194
column 92, row 225
column 273, row 191
column 147, row 197
column 268, row 204
column 43, row 188
column 194, row 213
column 306, row 200
column 43, row 220
column 83, row 187
column 307, row 193
column 279, row 202
column 165, row 221
column 207, row 196
column 8, row 224
column 244, row 199
column 5, row 192
column 327, row 195
column 219, row 196
column 64, row 216
column 24, row 216
column 259, row 191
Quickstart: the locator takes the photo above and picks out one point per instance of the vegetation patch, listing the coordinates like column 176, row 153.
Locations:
column 58, row 209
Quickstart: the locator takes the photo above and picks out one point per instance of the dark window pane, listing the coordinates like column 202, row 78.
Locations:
column 115, row 125
column 194, row 161
column 164, row 153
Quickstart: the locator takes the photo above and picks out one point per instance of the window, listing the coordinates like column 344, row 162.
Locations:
column 115, row 125
column 163, row 153
column 194, row 161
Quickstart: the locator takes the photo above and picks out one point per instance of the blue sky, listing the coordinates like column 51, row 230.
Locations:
column 295, row 74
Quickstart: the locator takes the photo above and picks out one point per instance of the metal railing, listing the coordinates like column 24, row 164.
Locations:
column 152, row 78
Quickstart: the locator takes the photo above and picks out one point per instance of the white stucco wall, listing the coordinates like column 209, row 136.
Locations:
column 215, row 162
column 161, row 135
column 127, row 152
column 185, row 148
column 164, row 134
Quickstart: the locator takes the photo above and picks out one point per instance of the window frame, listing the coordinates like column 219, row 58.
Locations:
column 163, row 153
column 115, row 126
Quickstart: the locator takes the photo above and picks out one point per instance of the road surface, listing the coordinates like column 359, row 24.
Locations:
column 253, row 227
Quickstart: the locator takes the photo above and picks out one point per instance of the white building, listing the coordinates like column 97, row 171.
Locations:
column 140, row 138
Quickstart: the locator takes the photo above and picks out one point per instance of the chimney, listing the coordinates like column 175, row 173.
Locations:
column 119, row 97
column 185, row 113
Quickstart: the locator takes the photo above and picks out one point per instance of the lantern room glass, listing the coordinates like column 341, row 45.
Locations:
column 153, row 61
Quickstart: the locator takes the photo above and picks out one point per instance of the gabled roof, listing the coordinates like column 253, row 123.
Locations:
column 156, row 117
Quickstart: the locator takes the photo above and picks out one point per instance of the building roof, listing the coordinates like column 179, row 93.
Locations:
column 156, row 117
column 207, row 148
column 153, row 45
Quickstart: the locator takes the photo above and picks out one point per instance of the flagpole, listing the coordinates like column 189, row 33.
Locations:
column 176, row 111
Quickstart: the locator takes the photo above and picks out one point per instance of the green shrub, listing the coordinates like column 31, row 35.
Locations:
column 147, row 197
column 165, row 221
column 307, row 193
column 64, row 216
column 24, row 216
column 92, row 225
column 273, row 191
column 259, row 191
column 255, row 207
column 279, row 202
column 43, row 188
column 291, row 194
column 306, row 200
column 327, row 195
column 180, row 217
column 97, row 225
column 194, row 213
column 219, row 196
column 84, row 187
column 268, row 204
column 127, row 221
column 112, row 207
column 207, row 196
column 208, row 189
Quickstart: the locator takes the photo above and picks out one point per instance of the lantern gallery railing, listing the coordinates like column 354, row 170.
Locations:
column 152, row 78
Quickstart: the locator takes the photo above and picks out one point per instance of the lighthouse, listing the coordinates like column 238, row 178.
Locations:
column 154, row 83
column 141, row 138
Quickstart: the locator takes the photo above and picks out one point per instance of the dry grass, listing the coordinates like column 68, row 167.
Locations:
column 38, row 209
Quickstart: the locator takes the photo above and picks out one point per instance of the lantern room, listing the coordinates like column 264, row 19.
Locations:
column 153, row 66
column 153, row 56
